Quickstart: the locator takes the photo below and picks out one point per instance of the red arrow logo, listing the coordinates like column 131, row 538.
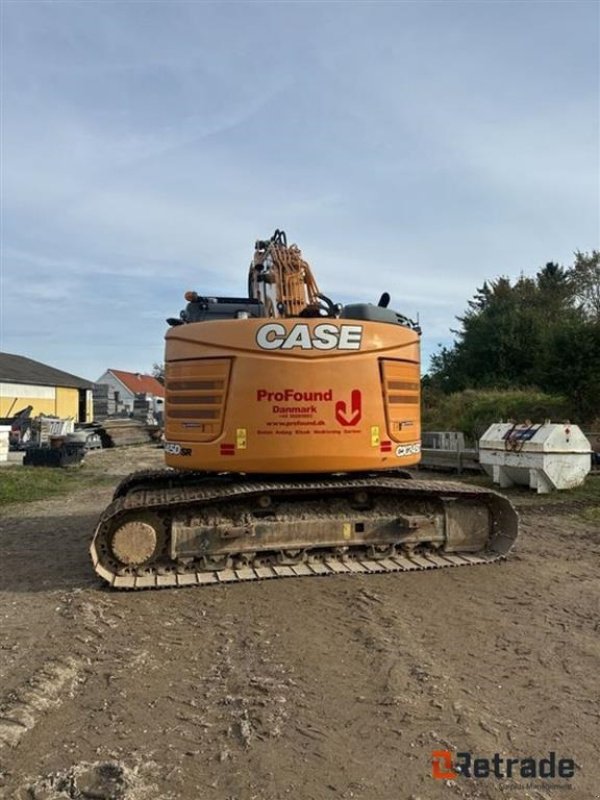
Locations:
column 341, row 411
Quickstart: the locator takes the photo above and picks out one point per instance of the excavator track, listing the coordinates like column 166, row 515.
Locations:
column 148, row 507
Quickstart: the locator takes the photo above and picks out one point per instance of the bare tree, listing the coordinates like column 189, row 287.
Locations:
column 158, row 371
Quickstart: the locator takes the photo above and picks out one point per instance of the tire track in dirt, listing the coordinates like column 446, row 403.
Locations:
column 44, row 691
column 414, row 679
column 58, row 679
column 40, row 700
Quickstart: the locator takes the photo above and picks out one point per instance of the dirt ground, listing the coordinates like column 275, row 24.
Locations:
column 309, row 688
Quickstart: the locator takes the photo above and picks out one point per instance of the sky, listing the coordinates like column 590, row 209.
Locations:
column 418, row 148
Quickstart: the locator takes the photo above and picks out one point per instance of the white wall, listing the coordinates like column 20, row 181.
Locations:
column 27, row 390
column 125, row 396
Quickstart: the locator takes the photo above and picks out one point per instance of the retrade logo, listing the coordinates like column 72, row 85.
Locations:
column 441, row 765
column 446, row 765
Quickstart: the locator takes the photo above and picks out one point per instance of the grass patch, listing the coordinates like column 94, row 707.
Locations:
column 24, row 484
column 587, row 494
column 591, row 514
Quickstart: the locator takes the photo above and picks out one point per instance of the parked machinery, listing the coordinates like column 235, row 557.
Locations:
column 290, row 421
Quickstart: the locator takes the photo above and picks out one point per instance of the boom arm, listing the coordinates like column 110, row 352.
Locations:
column 282, row 280
column 281, row 284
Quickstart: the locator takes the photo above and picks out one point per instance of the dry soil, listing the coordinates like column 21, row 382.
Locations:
column 308, row 688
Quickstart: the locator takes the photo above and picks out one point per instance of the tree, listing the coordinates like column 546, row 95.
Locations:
column 585, row 282
column 541, row 331
column 158, row 371
column 573, row 365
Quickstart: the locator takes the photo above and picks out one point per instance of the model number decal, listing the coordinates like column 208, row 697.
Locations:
column 325, row 336
column 177, row 450
column 408, row 449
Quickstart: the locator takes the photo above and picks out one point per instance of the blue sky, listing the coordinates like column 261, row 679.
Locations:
column 414, row 147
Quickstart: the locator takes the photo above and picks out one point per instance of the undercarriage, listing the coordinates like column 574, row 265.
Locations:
column 172, row 528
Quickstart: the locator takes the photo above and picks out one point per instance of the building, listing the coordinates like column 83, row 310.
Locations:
column 124, row 389
column 52, row 392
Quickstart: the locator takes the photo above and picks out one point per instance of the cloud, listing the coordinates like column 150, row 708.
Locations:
column 413, row 148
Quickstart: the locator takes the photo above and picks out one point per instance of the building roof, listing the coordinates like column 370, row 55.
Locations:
column 18, row 369
column 138, row 383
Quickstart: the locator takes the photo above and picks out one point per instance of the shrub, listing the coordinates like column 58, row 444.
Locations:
column 472, row 411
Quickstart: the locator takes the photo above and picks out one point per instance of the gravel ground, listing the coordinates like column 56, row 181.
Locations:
column 321, row 688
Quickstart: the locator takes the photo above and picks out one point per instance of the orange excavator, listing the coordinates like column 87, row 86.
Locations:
column 290, row 422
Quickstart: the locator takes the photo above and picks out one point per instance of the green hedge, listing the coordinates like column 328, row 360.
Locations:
column 472, row 411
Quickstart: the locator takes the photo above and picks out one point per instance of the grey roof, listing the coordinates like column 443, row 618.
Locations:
column 18, row 369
